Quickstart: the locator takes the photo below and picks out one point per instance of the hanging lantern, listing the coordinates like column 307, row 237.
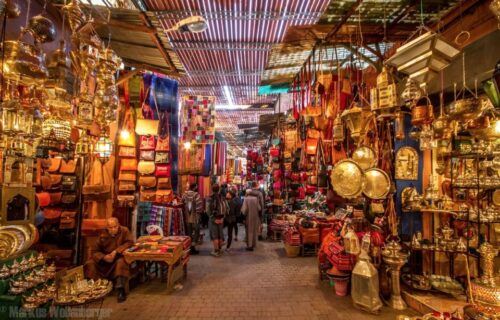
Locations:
column 338, row 129
column 85, row 113
column 424, row 57
column 74, row 14
column 351, row 242
column 356, row 119
column 103, row 147
column 399, row 126
column 364, row 282
column 411, row 91
column 495, row 8
column 57, row 127
column 83, row 145
column 384, row 98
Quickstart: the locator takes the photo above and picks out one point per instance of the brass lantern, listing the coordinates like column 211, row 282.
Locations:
column 356, row 119
column 384, row 98
column 103, row 147
column 364, row 283
column 83, row 145
column 338, row 129
column 423, row 57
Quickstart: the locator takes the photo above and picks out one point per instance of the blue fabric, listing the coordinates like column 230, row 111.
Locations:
column 408, row 218
column 207, row 162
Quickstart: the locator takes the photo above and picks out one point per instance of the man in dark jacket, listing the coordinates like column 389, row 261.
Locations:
column 193, row 209
column 107, row 260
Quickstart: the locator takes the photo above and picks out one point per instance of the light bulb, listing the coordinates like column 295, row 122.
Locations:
column 187, row 145
column 124, row 134
column 497, row 127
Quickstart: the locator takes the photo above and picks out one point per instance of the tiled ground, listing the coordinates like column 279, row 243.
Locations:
column 263, row 284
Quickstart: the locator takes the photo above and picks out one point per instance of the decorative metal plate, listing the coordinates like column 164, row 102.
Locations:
column 496, row 198
column 406, row 164
column 347, row 179
column 365, row 157
column 8, row 244
column 377, row 184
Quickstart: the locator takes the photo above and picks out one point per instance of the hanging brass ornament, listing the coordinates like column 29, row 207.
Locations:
column 411, row 92
column 74, row 14
column 356, row 119
column 338, row 129
column 406, row 164
column 384, row 98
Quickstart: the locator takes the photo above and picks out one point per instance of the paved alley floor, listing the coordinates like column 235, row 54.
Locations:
column 263, row 284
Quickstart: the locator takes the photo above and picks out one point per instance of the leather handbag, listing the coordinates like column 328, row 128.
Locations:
column 147, row 125
column 128, row 164
column 164, row 183
column 55, row 181
column 274, row 152
column 163, row 144
column 164, row 196
column 55, row 197
column 146, row 167
column 163, row 170
column 68, row 198
column 147, row 143
column 43, row 199
column 162, row 157
column 310, row 190
column 46, row 181
column 148, row 155
column 68, row 220
column 68, row 167
column 147, row 181
column 52, row 214
column 68, row 183
column 45, row 163
column 147, row 196
column 55, row 163
column 126, row 200
column 127, row 152
column 126, row 186
column 126, row 176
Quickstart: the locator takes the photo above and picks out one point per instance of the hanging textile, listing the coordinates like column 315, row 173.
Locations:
column 198, row 121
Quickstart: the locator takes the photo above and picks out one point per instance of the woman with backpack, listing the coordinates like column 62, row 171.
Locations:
column 217, row 209
column 231, row 218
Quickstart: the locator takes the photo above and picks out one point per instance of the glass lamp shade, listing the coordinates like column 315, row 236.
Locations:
column 364, row 285
column 423, row 57
column 60, row 128
column 103, row 147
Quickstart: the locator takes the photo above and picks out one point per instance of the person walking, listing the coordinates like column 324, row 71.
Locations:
column 193, row 209
column 217, row 209
column 252, row 210
column 257, row 192
column 231, row 218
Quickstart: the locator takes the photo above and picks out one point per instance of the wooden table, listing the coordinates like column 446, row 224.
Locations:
column 173, row 261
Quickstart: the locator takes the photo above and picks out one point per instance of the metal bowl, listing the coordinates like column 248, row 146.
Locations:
column 377, row 184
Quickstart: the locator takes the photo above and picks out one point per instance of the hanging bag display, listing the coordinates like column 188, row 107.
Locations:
column 147, row 143
column 96, row 191
column 55, row 164
column 68, row 167
column 147, row 125
column 148, row 155
column 127, row 152
column 162, row 171
column 147, row 181
column 68, row 220
column 68, row 183
column 127, row 164
column 162, row 157
column 146, row 167
column 43, row 199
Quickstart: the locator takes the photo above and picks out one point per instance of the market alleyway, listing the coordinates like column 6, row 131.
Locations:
column 263, row 284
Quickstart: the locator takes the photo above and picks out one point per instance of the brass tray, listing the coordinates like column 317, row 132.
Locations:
column 347, row 179
column 8, row 244
column 365, row 157
column 377, row 184
column 496, row 197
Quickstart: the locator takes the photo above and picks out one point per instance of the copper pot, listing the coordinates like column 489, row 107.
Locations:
column 422, row 112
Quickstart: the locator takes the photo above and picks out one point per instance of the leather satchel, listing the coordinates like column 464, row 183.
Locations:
column 126, row 186
column 68, row 198
column 55, row 198
column 43, row 199
column 148, row 155
column 163, row 170
column 45, row 181
column 55, row 163
column 68, row 167
column 147, row 181
column 68, row 220
column 147, row 196
column 163, row 144
column 52, row 214
column 127, row 164
column 55, row 181
column 164, row 183
column 68, row 183
column 162, row 157
column 146, row 167
column 147, row 143
column 127, row 176
column 164, row 196
column 126, row 200
column 127, row 152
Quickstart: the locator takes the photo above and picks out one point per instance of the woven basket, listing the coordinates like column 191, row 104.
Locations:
column 292, row 251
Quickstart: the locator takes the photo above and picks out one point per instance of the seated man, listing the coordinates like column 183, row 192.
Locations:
column 106, row 259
